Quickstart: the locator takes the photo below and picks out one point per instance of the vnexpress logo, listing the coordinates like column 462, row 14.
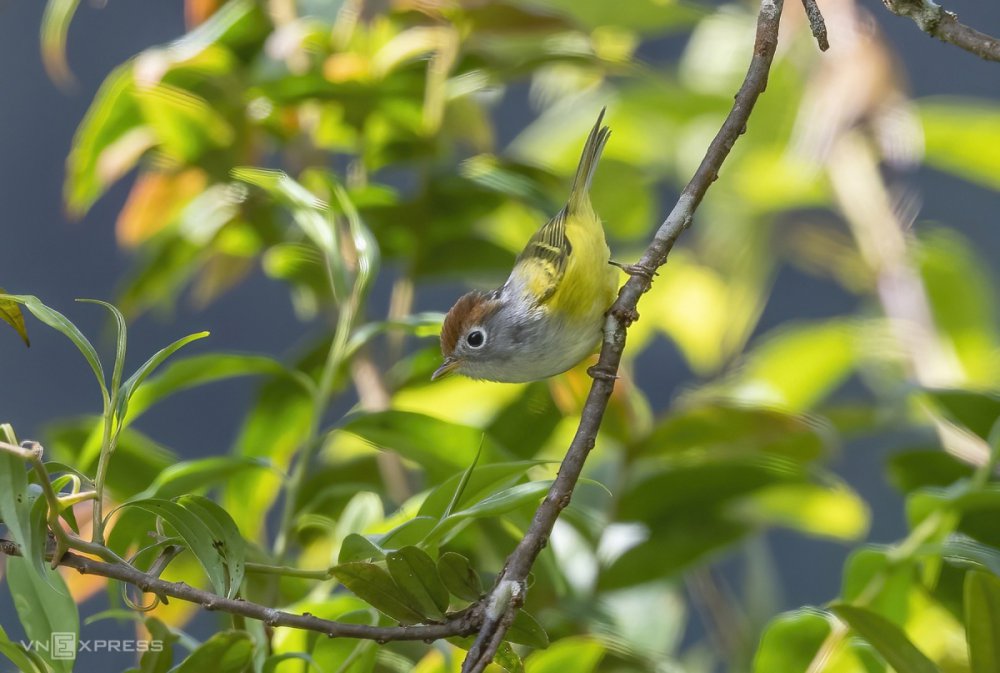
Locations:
column 63, row 645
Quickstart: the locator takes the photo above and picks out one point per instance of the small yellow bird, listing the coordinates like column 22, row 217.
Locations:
column 549, row 314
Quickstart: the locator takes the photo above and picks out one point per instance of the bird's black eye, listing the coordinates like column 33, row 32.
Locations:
column 476, row 338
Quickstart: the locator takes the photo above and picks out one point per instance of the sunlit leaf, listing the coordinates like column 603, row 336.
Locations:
column 577, row 654
column 192, row 475
column 10, row 313
column 961, row 137
column 887, row 638
column 982, row 621
column 55, row 26
column 791, row 641
column 836, row 512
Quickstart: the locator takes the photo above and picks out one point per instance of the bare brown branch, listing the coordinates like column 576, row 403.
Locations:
column 461, row 623
column 511, row 581
column 944, row 25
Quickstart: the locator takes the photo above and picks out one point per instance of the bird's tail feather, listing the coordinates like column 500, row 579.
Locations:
column 598, row 137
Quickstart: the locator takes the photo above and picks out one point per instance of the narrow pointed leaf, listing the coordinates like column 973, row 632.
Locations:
column 44, row 606
column 887, row 638
column 121, row 334
column 134, row 381
column 982, row 621
column 225, row 652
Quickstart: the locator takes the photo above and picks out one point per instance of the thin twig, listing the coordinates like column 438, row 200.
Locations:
column 944, row 25
column 461, row 623
column 816, row 24
column 621, row 315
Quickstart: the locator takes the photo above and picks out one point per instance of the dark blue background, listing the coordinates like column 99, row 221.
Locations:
column 42, row 253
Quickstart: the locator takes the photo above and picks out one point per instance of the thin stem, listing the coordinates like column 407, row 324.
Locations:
column 287, row 571
column 103, row 462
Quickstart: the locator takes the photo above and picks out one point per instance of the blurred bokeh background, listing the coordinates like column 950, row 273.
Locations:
column 865, row 187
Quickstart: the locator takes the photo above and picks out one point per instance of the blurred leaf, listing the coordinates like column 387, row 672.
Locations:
column 962, row 300
column 459, row 577
column 836, row 512
column 158, row 661
column 977, row 411
column 374, row 585
column 197, row 536
column 55, row 26
column 963, row 551
column 224, row 652
column 10, row 313
column 643, row 16
column 870, row 567
column 526, row 424
column 185, row 124
column 156, row 199
column 225, row 538
column 27, row 661
column 527, row 631
column 59, row 322
column 791, row 641
column 198, row 370
column 887, row 638
column 416, row 574
column 709, row 427
column 797, row 366
column 982, row 621
column 419, row 324
column 668, row 550
column 578, row 654
column 107, row 144
column 192, row 475
column 912, row 470
column 483, row 481
column 441, row 448
column 44, row 606
column 961, row 137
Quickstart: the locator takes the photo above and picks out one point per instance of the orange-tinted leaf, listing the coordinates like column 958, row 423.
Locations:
column 198, row 11
column 10, row 313
column 155, row 200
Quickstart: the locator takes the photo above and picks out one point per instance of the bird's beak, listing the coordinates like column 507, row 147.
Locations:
column 449, row 365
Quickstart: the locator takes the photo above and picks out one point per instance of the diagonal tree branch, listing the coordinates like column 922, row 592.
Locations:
column 508, row 592
column 944, row 25
column 461, row 623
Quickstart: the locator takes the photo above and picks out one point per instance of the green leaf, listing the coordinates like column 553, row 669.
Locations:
column 226, row 537
column 44, row 607
column 374, row 585
column 15, row 501
column 55, row 25
column 11, row 314
column 357, row 547
column 197, row 536
column 912, row 470
column 311, row 214
column 869, row 567
column 791, row 641
column 961, row 137
column 158, row 660
column 498, row 503
column 887, row 638
column 578, row 654
column 186, row 125
column 225, row 652
column 963, row 551
column 419, row 324
column 108, row 142
column 415, row 573
column 198, row 370
column 121, row 339
column 982, row 621
column 459, row 576
column 59, row 322
column 191, row 475
column 27, row 661
column 527, row 631
column 148, row 367
column 977, row 411
column 485, row 480
column 440, row 447
column 836, row 512
column 525, row 425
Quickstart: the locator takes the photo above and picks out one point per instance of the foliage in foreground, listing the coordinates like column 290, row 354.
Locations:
column 403, row 509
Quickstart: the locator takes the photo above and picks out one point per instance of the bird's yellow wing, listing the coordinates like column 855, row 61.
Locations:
column 542, row 264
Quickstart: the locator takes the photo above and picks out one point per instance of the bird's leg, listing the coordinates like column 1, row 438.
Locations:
column 636, row 269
